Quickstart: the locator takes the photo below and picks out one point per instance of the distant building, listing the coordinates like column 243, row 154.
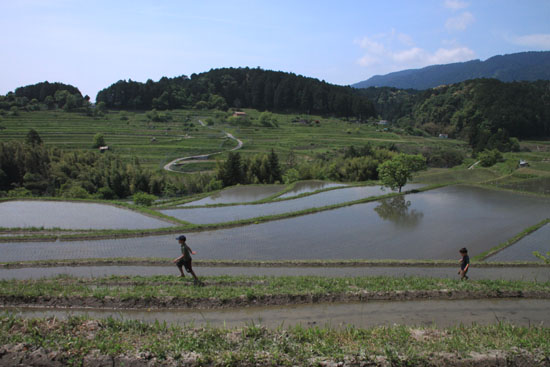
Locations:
column 383, row 122
column 444, row 136
column 523, row 163
column 239, row 114
column 103, row 149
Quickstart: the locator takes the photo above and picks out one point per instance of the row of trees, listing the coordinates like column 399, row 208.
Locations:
column 355, row 164
column 259, row 169
column 240, row 88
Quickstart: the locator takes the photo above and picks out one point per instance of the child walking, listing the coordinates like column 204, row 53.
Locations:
column 464, row 263
column 185, row 259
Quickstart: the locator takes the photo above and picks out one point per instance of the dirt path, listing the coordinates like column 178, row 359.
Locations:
column 442, row 313
column 540, row 274
column 168, row 166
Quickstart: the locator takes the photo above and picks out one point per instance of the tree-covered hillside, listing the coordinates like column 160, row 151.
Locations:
column 240, row 88
column 44, row 95
column 485, row 112
column 523, row 66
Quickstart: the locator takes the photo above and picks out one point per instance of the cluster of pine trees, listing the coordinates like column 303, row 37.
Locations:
column 259, row 169
column 240, row 88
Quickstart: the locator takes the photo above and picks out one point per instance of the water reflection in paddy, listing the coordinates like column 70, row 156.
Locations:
column 239, row 194
column 237, row 212
column 72, row 215
column 309, row 186
column 434, row 225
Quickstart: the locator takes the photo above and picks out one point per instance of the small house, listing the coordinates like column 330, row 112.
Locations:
column 239, row 114
column 103, row 149
column 523, row 163
column 443, row 136
column 383, row 122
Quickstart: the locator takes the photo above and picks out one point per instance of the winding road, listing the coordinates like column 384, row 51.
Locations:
column 169, row 165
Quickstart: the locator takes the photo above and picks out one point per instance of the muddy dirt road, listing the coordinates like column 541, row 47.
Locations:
column 540, row 274
column 375, row 313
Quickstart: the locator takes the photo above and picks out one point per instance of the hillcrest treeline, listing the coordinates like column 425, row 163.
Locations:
column 240, row 88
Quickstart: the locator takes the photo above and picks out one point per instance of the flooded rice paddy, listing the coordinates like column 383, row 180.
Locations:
column 238, row 212
column 523, row 249
column 239, row 194
column 428, row 225
column 73, row 215
column 520, row 312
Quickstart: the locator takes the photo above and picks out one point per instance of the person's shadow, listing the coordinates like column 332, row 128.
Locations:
column 396, row 210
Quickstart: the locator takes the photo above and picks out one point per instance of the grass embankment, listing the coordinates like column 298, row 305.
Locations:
column 242, row 291
column 80, row 340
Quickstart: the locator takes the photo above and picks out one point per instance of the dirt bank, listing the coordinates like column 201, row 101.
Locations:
column 26, row 355
column 267, row 300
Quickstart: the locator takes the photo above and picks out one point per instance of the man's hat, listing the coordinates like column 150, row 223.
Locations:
column 181, row 238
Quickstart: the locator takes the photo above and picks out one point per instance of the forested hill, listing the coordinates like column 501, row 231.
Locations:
column 40, row 91
column 524, row 66
column 240, row 88
column 485, row 112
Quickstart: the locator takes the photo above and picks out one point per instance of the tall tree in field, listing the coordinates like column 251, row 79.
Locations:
column 274, row 168
column 231, row 172
column 33, row 138
column 397, row 171
column 99, row 140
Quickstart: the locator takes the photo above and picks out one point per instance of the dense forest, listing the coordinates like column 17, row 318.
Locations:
column 45, row 95
column 488, row 113
column 240, row 88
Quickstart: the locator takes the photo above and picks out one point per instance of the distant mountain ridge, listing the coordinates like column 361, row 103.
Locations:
column 523, row 66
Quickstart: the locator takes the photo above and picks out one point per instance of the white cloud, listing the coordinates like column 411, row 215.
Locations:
column 448, row 55
column 460, row 22
column 381, row 53
column 456, row 4
column 540, row 40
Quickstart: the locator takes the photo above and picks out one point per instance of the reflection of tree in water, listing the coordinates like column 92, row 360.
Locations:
column 396, row 209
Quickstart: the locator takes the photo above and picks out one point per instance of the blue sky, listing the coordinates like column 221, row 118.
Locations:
column 92, row 44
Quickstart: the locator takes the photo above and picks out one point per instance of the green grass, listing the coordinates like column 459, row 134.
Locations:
column 227, row 288
column 255, row 345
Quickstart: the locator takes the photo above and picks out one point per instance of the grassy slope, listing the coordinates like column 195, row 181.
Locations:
column 132, row 137
column 78, row 337
column 128, row 138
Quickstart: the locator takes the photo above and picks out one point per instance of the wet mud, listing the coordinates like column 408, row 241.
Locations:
column 441, row 313
column 534, row 273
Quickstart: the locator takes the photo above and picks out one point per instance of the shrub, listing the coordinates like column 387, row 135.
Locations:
column 19, row 192
column 144, row 199
column 488, row 158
